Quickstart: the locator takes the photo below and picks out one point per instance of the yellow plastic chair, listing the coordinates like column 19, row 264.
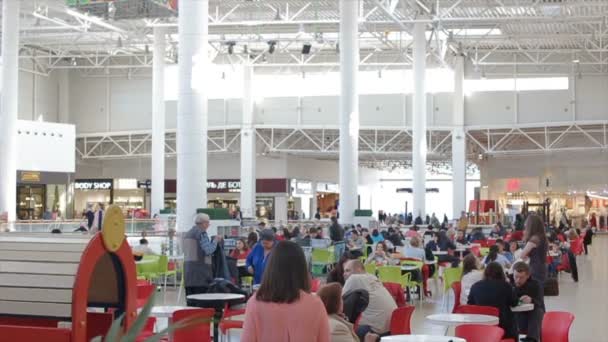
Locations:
column 483, row 251
column 370, row 268
column 392, row 274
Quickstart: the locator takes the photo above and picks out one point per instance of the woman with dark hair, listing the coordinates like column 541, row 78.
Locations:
column 284, row 301
column 470, row 275
column 536, row 248
column 366, row 236
column 493, row 290
column 495, row 256
column 241, row 251
column 341, row 330
column 379, row 256
column 336, row 275
column 252, row 239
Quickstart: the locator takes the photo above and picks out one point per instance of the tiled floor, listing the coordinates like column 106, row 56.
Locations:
column 587, row 299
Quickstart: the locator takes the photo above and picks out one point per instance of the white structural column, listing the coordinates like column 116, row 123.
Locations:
column 459, row 151
column 313, row 202
column 349, row 109
column 157, row 199
column 248, row 150
column 8, row 113
column 419, row 121
column 192, row 110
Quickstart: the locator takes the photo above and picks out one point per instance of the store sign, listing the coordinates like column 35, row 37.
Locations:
column 226, row 185
column 30, row 176
column 145, row 185
column 126, row 184
column 302, row 187
column 93, row 184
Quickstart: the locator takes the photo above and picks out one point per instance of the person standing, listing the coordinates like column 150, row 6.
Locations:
column 318, row 214
column 198, row 249
column 529, row 292
column 283, row 309
column 257, row 259
column 90, row 215
column 536, row 249
column 463, row 222
column 98, row 218
column 336, row 234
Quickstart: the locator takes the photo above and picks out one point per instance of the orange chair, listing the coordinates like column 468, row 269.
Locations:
column 457, row 288
column 144, row 292
column 400, row 320
column 477, row 310
column 556, row 326
column 200, row 332
column 396, row 292
column 479, row 333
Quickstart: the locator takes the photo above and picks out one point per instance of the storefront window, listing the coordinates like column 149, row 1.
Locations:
column 264, row 208
column 31, row 202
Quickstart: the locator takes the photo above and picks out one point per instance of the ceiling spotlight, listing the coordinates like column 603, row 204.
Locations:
column 271, row 46
column 306, row 48
column 576, row 61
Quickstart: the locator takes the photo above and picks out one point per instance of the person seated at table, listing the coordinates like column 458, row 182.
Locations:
column 336, row 275
column 556, row 258
column 376, row 236
column 257, row 259
column 341, row 329
column 528, row 291
column 498, row 230
column 356, row 243
column 515, row 250
column 477, row 235
column 143, row 248
column 493, row 290
column 446, row 245
column 501, row 250
column 460, row 238
column 376, row 317
column 368, row 238
column 470, row 275
column 395, row 237
column 283, row 309
column 252, row 240
column 241, row 251
column 314, row 233
column 495, row 256
column 379, row 256
column 413, row 231
column 414, row 250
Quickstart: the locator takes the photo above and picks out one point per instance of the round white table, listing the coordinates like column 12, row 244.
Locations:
column 217, row 301
column 421, row 338
column 147, row 261
column 457, row 319
column 440, row 253
column 430, row 262
column 408, row 268
column 167, row 311
column 523, row 307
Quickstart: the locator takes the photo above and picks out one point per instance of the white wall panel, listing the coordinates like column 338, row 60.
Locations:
column 171, row 114
column 429, row 107
column 381, row 110
column 489, row 108
column 216, row 116
column 88, row 103
column 130, row 104
column 320, row 110
column 25, row 105
column 591, row 98
column 442, row 109
column 280, row 110
column 544, row 106
column 44, row 146
column 234, row 111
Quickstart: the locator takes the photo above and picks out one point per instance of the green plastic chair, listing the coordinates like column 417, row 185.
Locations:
column 450, row 276
column 483, row 251
column 371, row 268
column 321, row 258
column 392, row 274
column 415, row 283
column 149, row 270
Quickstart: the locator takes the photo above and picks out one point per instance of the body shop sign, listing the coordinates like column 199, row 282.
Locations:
column 93, row 184
column 224, row 185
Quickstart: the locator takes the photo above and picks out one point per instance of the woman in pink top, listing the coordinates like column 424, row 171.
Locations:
column 283, row 309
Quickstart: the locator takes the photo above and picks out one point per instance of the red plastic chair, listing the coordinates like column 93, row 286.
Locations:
column 564, row 265
column 476, row 250
column 144, row 292
column 556, row 326
column 200, row 332
column 477, row 310
column 482, row 243
column 517, row 235
column 315, row 284
column 480, row 333
column 226, row 323
column 400, row 320
column 396, row 292
column 457, row 288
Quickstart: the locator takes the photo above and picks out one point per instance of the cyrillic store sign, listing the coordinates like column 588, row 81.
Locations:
column 224, row 185
column 93, row 184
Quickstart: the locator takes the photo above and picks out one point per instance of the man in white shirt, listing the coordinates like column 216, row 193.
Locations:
column 376, row 317
column 143, row 248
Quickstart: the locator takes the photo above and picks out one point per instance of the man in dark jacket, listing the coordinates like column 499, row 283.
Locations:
column 529, row 292
column 198, row 251
column 336, row 234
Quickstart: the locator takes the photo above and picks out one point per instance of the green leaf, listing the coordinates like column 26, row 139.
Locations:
column 114, row 332
column 140, row 322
